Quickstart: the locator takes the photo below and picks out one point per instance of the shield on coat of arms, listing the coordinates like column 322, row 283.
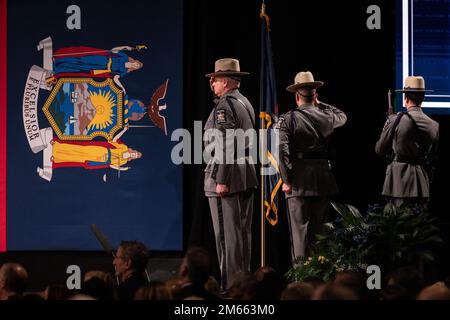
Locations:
column 82, row 109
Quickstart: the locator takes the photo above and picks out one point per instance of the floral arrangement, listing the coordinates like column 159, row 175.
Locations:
column 386, row 236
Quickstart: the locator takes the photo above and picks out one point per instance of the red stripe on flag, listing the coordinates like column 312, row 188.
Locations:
column 3, row 101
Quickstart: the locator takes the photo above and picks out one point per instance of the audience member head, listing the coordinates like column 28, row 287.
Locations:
column 175, row 285
column 194, row 298
column 315, row 282
column 212, row 286
column 81, row 297
column 394, row 292
column 132, row 257
column 408, row 278
column 154, row 291
column 13, row 280
column 98, row 289
column 196, row 266
column 334, row 292
column 242, row 286
column 437, row 291
column 105, row 276
column 57, row 291
column 261, row 272
column 355, row 281
column 270, row 284
column 297, row 291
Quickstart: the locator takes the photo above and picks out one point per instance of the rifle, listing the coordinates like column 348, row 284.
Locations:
column 390, row 111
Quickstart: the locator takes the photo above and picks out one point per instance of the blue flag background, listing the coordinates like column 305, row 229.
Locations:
column 268, row 115
column 145, row 203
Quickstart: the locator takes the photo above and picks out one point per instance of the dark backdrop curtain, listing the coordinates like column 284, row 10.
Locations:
column 331, row 40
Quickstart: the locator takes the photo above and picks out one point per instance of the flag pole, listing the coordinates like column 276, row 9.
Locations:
column 261, row 148
column 263, row 220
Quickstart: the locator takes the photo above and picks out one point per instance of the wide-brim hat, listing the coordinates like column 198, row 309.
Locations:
column 303, row 80
column 414, row 84
column 227, row 67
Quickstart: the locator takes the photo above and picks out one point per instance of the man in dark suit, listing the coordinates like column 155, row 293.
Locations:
column 230, row 175
column 304, row 162
column 411, row 139
column 130, row 264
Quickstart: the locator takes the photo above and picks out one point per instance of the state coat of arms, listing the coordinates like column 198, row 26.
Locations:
column 88, row 108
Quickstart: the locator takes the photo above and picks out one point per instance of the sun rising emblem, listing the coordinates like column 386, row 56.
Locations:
column 103, row 102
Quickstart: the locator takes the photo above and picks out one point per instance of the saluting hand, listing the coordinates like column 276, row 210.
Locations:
column 222, row 189
column 287, row 188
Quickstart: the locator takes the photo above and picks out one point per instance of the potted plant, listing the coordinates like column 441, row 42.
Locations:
column 386, row 236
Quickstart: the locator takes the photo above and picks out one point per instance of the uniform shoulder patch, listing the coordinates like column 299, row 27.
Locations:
column 279, row 122
column 221, row 116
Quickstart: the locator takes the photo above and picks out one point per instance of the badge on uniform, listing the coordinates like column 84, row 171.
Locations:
column 279, row 122
column 221, row 116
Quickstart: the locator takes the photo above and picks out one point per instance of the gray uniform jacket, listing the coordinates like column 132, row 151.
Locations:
column 407, row 178
column 308, row 177
column 232, row 111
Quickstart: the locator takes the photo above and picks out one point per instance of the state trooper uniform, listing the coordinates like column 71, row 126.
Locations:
column 410, row 139
column 232, row 213
column 304, row 164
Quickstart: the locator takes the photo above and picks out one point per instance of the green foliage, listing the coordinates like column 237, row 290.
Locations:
column 385, row 236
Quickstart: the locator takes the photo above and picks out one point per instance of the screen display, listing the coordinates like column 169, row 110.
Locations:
column 423, row 49
column 94, row 91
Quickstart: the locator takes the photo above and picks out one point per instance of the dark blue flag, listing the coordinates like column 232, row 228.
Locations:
column 86, row 114
column 268, row 114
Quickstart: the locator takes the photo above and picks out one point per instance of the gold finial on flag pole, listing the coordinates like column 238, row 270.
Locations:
column 263, row 14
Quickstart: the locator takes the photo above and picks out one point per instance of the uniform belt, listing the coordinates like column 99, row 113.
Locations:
column 311, row 155
column 409, row 160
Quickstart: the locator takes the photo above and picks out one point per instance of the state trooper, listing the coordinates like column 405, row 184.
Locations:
column 410, row 139
column 229, row 187
column 304, row 161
